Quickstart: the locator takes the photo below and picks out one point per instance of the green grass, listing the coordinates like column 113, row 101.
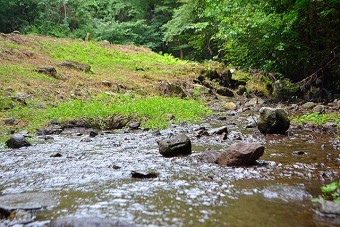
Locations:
column 318, row 119
column 151, row 111
column 12, row 72
column 99, row 57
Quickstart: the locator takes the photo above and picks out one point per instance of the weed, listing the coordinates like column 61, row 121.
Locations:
column 318, row 118
column 330, row 192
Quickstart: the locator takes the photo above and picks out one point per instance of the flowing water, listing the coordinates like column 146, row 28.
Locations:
column 92, row 178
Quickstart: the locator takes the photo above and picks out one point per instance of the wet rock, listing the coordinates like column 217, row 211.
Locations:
column 298, row 153
column 202, row 132
column 273, row 121
column 134, row 125
column 115, row 167
column 87, row 222
column 51, row 130
column 225, row 92
column 308, row 105
column 76, row 65
column 218, row 131
column 48, row 70
column 10, row 121
column 93, row 133
column 169, row 89
column 286, row 193
column 319, row 109
column 27, row 201
column 156, row 133
column 241, row 154
column 329, row 208
column 17, row 141
column 176, row 146
column 56, row 155
column 230, row 106
column 209, row 156
column 140, row 175
column 251, row 122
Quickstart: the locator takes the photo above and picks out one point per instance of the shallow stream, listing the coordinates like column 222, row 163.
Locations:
column 92, row 178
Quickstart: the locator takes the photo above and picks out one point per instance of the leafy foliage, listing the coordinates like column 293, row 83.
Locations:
column 319, row 119
column 330, row 192
column 293, row 38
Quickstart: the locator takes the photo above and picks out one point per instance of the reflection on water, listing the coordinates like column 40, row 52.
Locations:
column 93, row 179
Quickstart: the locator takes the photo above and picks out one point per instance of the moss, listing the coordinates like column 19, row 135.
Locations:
column 260, row 85
column 285, row 90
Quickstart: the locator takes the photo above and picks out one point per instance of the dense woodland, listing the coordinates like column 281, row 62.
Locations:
column 295, row 39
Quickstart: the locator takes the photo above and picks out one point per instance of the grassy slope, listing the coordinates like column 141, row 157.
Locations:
column 74, row 94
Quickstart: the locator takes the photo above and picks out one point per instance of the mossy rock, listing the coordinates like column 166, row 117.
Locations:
column 285, row 90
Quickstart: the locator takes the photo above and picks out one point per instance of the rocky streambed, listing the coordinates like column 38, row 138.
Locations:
column 78, row 180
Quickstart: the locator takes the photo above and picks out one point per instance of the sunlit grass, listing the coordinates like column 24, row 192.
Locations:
column 318, row 119
column 152, row 111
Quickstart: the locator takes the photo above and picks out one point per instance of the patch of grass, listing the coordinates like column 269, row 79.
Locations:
column 107, row 58
column 10, row 73
column 152, row 111
column 330, row 192
column 260, row 85
column 318, row 119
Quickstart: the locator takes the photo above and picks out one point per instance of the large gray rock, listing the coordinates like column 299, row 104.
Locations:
column 17, row 141
column 241, row 154
column 273, row 121
column 177, row 146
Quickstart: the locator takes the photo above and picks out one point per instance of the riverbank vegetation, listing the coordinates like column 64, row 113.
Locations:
column 297, row 40
column 123, row 80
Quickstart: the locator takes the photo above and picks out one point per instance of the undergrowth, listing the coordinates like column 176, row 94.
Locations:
column 318, row 118
column 151, row 111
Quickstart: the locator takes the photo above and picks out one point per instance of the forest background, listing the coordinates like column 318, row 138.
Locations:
column 293, row 39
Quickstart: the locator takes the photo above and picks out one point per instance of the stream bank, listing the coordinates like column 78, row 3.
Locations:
column 91, row 177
